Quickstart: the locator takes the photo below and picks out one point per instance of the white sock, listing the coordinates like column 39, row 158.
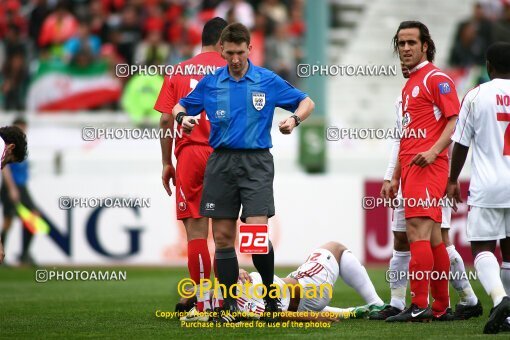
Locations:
column 204, row 298
column 332, row 309
column 505, row 278
column 399, row 264
column 487, row 268
column 459, row 279
column 217, row 298
column 356, row 276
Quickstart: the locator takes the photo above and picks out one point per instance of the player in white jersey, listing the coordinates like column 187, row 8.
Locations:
column 484, row 125
column 469, row 306
column 13, row 148
column 322, row 267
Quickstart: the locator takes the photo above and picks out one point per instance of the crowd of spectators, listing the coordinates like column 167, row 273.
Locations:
column 489, row 22
column 82, row 32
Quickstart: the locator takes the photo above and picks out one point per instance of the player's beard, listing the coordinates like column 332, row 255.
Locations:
column 415, row 59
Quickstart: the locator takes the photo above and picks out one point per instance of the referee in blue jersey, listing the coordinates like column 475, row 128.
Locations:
column 239, row 100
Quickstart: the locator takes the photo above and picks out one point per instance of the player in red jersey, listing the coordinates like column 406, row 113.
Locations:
column 430, row 104
column 468, row 306
column 191, row 151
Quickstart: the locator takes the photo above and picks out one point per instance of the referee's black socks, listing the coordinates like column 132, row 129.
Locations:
column 265, row 266
column 228, row 271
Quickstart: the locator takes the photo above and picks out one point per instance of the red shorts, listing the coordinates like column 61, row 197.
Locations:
column 421, row 185
column 189, row 177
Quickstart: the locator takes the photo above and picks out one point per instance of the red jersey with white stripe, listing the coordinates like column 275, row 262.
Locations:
column 484, row 125
column 429, row 98
column 186, row 76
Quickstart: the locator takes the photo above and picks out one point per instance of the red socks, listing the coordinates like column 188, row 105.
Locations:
column 422, row 262
column 199, row 264
column 429, row 263
column 439, row 288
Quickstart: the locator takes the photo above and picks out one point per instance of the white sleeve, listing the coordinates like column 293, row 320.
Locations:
column 464, row 129
column 395, row 143
column 2, row 150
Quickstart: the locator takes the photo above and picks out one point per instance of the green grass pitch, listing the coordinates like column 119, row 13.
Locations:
column 126, row 309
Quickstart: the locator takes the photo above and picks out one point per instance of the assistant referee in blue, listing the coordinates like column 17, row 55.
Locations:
column 239, row 100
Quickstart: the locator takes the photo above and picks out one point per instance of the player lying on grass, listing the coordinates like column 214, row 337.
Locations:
column 322, row 267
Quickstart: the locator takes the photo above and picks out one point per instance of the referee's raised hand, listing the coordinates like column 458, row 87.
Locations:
column 188, row 123
column 287, row 125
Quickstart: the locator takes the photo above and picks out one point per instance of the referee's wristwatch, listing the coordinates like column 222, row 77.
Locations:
column 179, row 117
column 296, row 119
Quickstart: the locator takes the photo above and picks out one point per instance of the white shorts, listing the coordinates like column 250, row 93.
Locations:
column 250, row 301
column 488, row 224
column 318, row 273
column 398, row 222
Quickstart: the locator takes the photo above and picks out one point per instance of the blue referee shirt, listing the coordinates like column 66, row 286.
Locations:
column 19, row 172
column 241, row 112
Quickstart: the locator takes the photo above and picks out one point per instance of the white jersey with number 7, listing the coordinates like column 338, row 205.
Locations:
column 484, row 124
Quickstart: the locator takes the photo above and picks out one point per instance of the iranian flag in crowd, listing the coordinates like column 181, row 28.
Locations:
column 57, row 86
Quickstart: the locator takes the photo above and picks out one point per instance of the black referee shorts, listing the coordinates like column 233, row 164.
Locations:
column 238, row 177
column 25, row 198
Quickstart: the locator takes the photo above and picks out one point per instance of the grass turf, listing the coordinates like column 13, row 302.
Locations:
column 126, row 309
